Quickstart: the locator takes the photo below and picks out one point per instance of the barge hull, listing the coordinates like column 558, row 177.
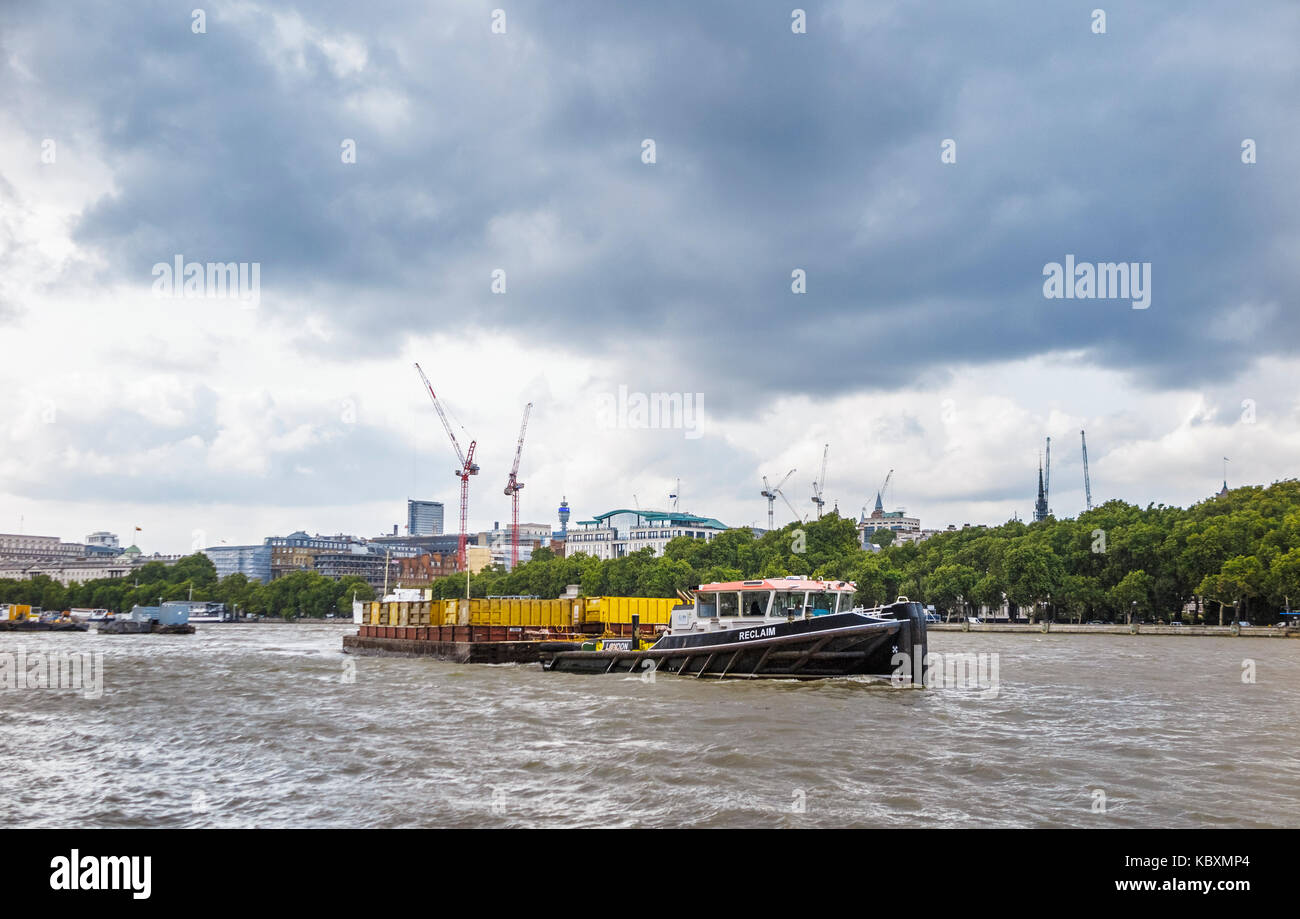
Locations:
column 460, row 652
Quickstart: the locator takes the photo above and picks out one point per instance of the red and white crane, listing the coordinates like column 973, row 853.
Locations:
column 512, row 491
column 467, row 467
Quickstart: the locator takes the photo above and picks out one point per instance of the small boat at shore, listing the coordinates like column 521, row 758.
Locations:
column 20, row 617
column 42, row 625
column 171, row 618
column 787, row 628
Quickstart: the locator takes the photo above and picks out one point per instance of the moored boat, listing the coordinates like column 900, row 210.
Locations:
column 791, row 628
column 171, row 618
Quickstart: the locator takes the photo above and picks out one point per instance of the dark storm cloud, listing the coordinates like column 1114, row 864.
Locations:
column 775, row 151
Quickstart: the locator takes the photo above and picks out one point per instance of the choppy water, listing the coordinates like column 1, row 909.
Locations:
column 253, row 725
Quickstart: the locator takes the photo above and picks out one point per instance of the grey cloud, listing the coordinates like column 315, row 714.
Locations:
column 775, row 151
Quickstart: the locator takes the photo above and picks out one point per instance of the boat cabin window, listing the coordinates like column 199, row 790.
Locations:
column 788, row 603
column 728, row 604
column 754, row 602
column 821, row 603
column 706, row 605
column 799, row 603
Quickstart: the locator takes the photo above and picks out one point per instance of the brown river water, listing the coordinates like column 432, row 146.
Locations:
column 272, row 725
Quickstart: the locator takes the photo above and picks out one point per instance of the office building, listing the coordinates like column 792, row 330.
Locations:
column 423, row 518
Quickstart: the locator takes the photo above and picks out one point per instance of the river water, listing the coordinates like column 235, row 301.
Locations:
column 272, row 725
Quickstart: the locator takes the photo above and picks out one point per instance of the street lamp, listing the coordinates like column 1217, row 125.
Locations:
column 1132, row 611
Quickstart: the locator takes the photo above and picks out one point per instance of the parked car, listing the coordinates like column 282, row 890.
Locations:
column 1095, row 622
column 1176, row 622
column 1244, row 624
column 974, row 620
column 932, row 617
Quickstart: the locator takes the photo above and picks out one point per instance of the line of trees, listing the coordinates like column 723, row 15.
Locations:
column 301, row 593
column 1237, row 556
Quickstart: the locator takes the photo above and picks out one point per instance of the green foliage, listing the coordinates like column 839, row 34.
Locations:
column 1241, row 550
column 1132, row 594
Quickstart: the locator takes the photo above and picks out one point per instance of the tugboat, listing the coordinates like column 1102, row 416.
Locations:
column 789, row 628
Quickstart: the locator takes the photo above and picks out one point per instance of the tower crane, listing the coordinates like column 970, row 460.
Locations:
column 467, row 467
column 512, row 490
column 820, row 485
column 1087, row 485
column 880, row 495
column 770, row 494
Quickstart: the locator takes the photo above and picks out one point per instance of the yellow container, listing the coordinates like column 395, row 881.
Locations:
column 619, row 610
column 19, row 612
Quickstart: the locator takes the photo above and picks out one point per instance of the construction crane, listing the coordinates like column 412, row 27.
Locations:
column 770, row 494
column 1087, row 485
column 467, row 468
column 820, row 485
column 512, row 491
column 881, row 494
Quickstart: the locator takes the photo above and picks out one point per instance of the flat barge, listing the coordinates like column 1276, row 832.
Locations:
column 498, row 630
column 36, row 625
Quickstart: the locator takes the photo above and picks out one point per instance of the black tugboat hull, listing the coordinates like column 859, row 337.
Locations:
column 844, row 644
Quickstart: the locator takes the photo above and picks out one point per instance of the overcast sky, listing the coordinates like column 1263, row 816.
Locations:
column 923, row 343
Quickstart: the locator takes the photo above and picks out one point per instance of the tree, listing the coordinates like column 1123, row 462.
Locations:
column 196, row 568
column 1284, row 578
column 949, row 586
column 988, row 591
column 1033, row 575
column 1134, row 588
column 1080, row 595
column 876, row 579
column 1240, row 577
column 350, row 588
